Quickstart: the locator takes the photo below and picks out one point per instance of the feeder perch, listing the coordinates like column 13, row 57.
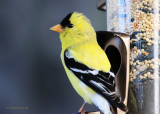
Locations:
column 101, row 5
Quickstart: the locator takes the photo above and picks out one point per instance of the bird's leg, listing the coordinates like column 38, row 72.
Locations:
column 81, row 110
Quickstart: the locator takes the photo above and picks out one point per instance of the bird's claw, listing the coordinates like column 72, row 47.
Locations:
column 81, row 110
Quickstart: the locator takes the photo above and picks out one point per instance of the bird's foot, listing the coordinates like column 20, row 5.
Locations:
column 81, row 110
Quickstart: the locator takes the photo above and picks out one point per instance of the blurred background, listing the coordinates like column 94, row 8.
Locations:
column 32, row 78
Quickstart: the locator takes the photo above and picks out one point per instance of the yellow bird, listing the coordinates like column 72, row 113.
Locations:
column 86, row 64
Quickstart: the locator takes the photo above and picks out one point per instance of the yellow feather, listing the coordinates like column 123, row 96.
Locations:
column 91, row 54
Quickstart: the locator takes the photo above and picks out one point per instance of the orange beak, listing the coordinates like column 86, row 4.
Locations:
column 57, row 28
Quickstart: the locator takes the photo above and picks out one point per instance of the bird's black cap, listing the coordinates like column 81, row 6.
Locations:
column 66, row 22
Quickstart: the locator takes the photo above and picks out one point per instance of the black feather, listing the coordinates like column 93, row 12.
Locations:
column 66, row 22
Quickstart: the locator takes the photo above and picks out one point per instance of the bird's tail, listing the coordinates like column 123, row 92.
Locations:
column 113, row 109
column 123, row 107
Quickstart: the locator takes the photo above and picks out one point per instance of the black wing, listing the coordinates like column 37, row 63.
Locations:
column 101, row 82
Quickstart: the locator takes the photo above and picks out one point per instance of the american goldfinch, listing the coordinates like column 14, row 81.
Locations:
column 86, row 64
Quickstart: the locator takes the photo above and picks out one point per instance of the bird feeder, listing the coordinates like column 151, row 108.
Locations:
column 140, row 20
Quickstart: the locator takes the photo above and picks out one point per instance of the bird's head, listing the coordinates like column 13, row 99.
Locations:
column 75, row 28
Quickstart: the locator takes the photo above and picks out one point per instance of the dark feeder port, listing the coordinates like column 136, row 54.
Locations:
column 116, row 51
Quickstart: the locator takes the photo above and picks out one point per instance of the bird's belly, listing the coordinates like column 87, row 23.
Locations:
column 81, row 88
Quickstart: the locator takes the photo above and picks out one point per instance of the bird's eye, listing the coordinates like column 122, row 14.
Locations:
column 70, row 25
